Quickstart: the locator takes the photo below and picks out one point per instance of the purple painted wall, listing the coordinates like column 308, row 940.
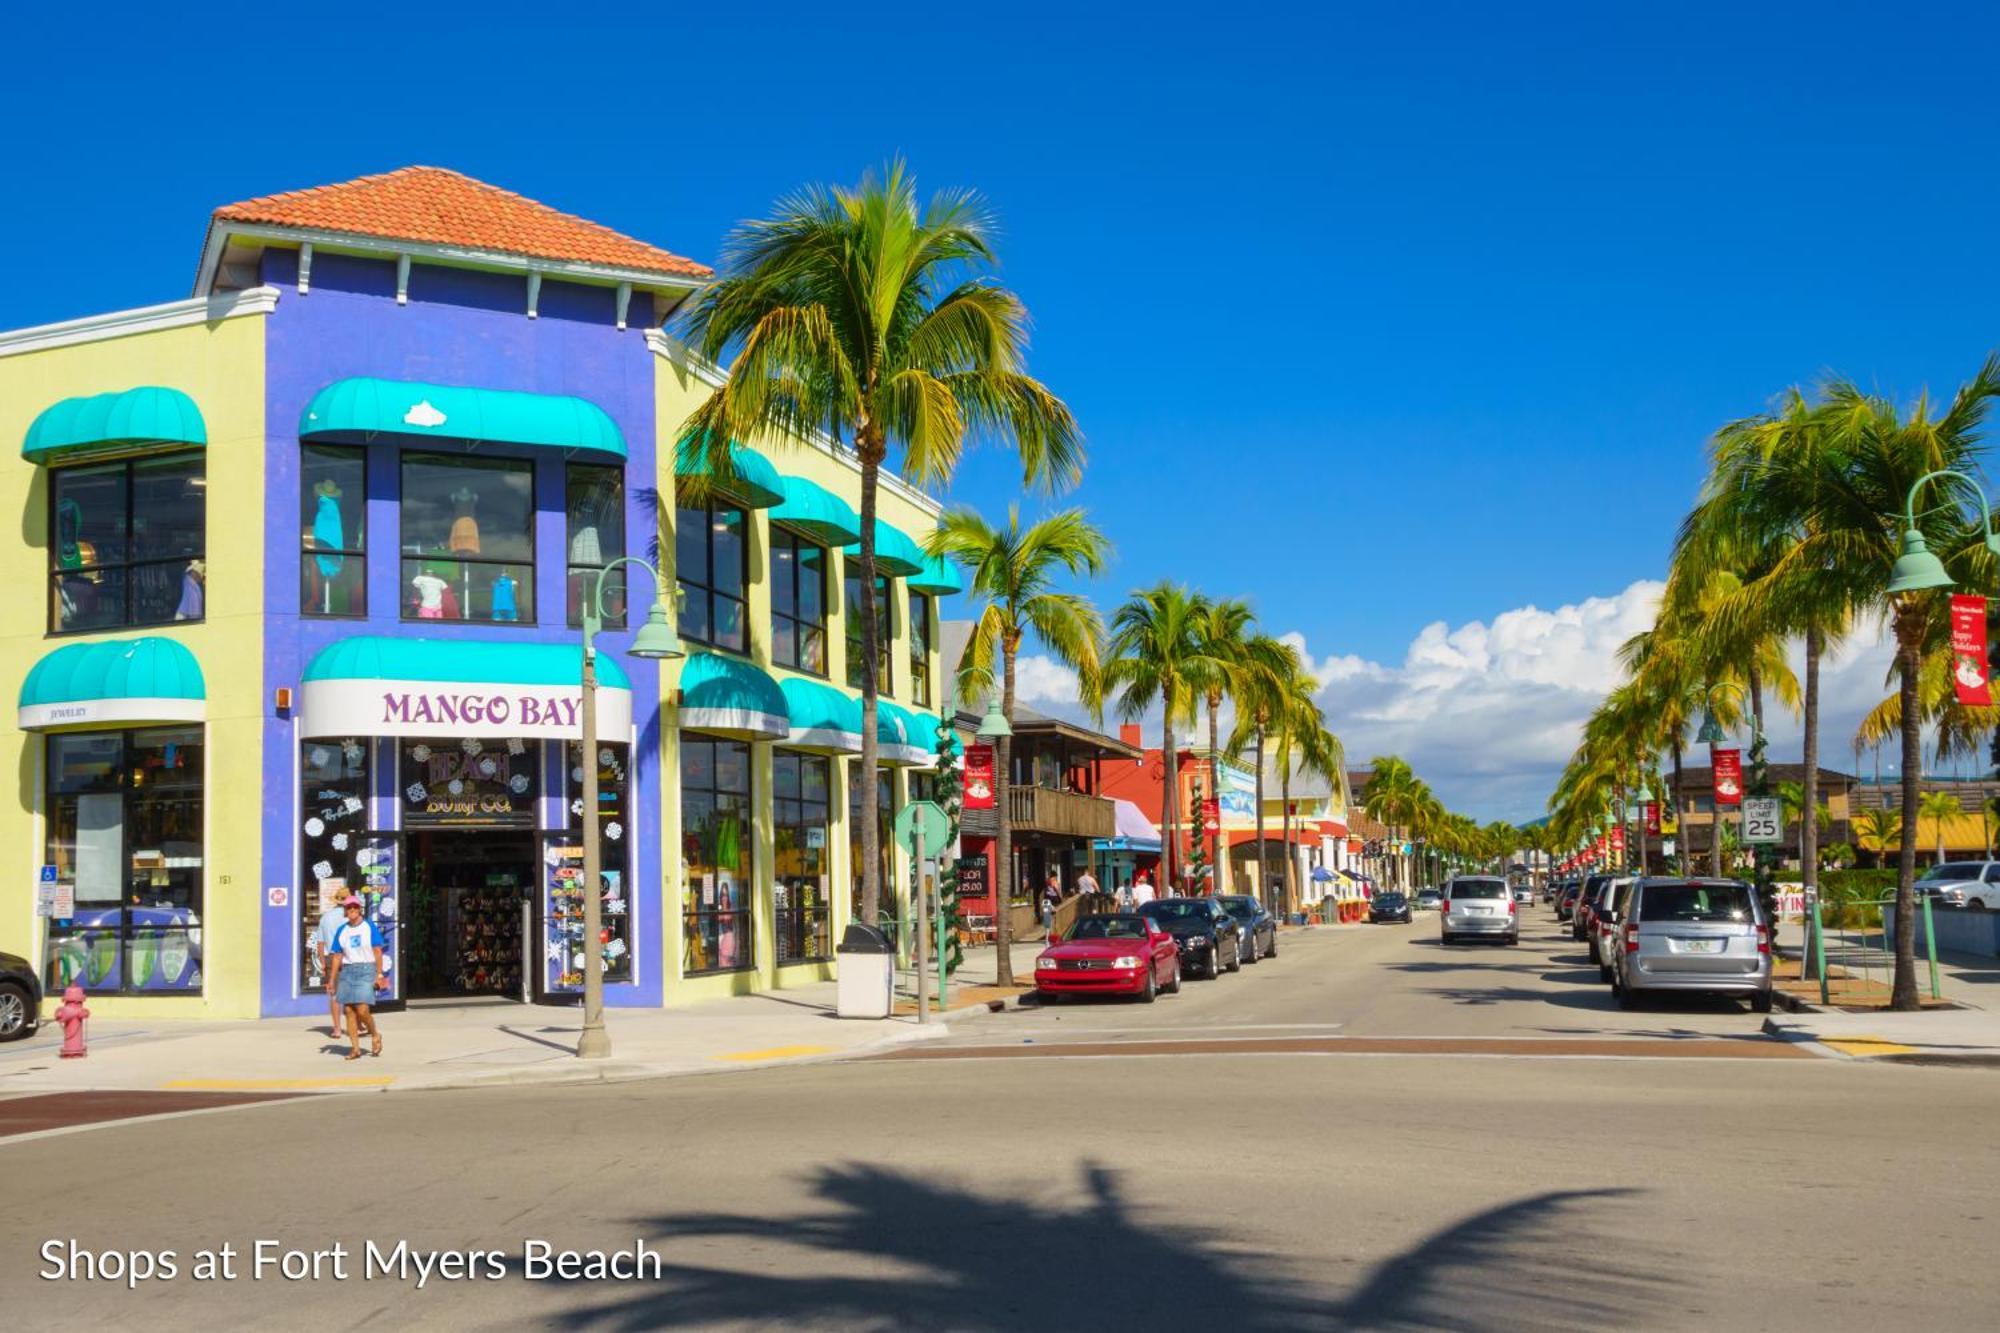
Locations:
column 469, row 329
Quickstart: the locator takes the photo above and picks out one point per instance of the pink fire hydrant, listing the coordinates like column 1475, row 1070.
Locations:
column 71, row 1014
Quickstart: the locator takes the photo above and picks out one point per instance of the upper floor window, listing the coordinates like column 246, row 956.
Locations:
column 920, row 647
column 885, row 630
column 798, row 603
column 711, row 561
column 333, row 536
column 595, row 502
column 126, row 543
column 468, row 539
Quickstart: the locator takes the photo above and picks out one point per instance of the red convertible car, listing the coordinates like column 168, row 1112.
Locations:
column 1120, row 954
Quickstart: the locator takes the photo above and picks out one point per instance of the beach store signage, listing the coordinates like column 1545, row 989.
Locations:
column 457, row 708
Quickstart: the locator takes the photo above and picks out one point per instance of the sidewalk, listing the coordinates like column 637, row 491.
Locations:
column 1967, row 1034
column 481, row 1043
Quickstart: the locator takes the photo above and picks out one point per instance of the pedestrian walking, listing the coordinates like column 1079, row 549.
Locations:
column 358, row 961
column 330, row 920
column 1087, row 882
column 1142, row 889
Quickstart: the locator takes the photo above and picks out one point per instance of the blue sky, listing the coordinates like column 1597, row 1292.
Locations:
column 1381, row 315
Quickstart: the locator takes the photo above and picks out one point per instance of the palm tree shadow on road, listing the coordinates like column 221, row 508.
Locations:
column 893, row 1251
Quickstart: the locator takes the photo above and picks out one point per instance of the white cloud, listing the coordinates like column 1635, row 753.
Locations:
column 1043, row 680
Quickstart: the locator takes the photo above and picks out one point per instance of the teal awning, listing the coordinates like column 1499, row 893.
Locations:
column 150, row 414
column 117, row 680
column 472, row 689
column 939, row 576
column 356, row 410
column 733, row 697
column 895, row 554
column 904, row 738
column 817, row 512
column 822, row 717
column 501, row 662
column 756, row 482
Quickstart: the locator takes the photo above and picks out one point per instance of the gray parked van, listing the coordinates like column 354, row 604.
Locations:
column 1691, row 935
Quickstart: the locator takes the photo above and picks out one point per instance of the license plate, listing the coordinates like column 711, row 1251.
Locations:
column 1701, row 946
column 1480, row 911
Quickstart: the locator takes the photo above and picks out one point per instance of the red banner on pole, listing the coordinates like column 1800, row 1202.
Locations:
column 1968, row 651
column 1728, row 766
column 979, row 777
column 1653, row 817
column 1618, row 838
column 1211, row 816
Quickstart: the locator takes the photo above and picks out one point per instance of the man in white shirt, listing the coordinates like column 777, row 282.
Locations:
column 330, row 920
column 1142, row 890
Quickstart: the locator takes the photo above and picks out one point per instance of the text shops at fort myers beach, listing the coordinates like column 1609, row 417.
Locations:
column 296, row 616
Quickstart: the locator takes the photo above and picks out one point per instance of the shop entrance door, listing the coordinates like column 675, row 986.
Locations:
column 465, row 903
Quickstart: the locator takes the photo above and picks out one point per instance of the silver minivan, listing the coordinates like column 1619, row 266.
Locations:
column 1479, row 905
column 1703, row 936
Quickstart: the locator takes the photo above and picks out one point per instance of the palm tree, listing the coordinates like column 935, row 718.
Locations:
column 860, row 316
column 1877, row 829
column 1302, row 742
column 1222, row 630
column 1263, row 668
column 1013, row 577
column 1938, row 807
column 1393, row 797
column 1155, row 657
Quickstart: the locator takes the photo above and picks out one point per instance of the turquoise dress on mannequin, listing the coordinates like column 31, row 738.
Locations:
column 328, row 535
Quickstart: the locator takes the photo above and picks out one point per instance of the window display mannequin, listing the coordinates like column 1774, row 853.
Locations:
column 505, row 598
column 431, row 591
column 328, row 534
column 465, row 527
column 194, row 581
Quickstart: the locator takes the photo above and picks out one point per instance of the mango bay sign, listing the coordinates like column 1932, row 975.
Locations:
column 461, row 708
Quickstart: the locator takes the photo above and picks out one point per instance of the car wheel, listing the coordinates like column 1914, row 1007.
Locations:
column 1975, row 905
column 1513, row 940
column 1174, row 987
column 1594, row 956
column 1253, row 952
column 17, row 1018
column 1047, row 997
column 1625, row 997
column 1603, row 972
column 1445, row 940
column 1236, row 959
column 1272, row 950
column 1760, row 1003
column 1150, row 990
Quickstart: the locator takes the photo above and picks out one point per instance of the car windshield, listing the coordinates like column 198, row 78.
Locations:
column 1240, row 906
column 1179, row 909
column 1388, row 897
column 1479, row 888
column 1110, row 928
column 1956, row 870
column 1695, row 902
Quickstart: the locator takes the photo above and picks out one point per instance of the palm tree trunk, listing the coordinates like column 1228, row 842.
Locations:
column 1215, row 875
column 871, row 830
column 1909, row 643
column 1003, row 842
column 1291, row 858
column 1263, row 889
column 1170, row 843
column 1809, row 817
column 1673, row 803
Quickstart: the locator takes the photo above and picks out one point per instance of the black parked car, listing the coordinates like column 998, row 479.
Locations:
column 1260, row 928
column 1389, row 907
column 20, row 998
column 1209, row 939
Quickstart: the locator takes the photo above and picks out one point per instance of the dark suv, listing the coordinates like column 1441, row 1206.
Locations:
column 20, row 998
column 1209, row 938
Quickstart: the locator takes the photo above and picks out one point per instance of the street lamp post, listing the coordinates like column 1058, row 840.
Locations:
column 655, row 640
column 1711, row 734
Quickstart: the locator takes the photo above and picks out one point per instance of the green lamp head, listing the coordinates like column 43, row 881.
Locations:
column 1711, row 730
column 1916, row 568
column 1645, row 793
column 994, row 724
column 656, row 638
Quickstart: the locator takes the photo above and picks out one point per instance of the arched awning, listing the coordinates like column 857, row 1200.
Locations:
column 939, row 577
column 817, row 512
column 905, row 740
column 732, row 697
column 895, row 554
column 373, row 685
column 756, row 483
column 122, row 681
column 108, row 422
column 359, row 409
column 822, row 718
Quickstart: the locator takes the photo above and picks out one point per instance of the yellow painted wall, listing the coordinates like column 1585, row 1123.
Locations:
column 676, row 393
column 221, row 366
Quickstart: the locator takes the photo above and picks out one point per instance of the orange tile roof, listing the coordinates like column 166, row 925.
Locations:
column 440, row 207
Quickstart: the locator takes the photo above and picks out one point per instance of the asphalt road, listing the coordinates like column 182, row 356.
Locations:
column 1250, row 1186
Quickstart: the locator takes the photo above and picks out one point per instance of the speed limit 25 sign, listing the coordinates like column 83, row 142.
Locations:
column 1763, row 819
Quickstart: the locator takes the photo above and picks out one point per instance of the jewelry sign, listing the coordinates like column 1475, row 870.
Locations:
column 1968, row 651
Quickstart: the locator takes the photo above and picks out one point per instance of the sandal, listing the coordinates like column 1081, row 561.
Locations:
column 376, row 1047
column 352, row 1055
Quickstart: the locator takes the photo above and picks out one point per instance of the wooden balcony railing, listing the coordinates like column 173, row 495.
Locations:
column 1064, row 812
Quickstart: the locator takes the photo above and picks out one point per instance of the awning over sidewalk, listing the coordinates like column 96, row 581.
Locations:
column 359, row 409
column 104, row 422
column 151, row 679
column 823, row 718
column 373, row 685
column 733, row 697
column 1133, row 832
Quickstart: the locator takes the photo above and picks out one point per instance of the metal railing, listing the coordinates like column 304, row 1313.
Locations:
column 1859, row 957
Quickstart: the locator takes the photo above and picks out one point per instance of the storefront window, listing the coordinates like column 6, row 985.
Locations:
column 563, row 910
column 125, row 829
column 798, row 603
column 333, row 538
column 920, row 648
column 464, row 782
column 336, row 853
column 885, row 814
column 468, row 539
column 884, row 619
column 801, row 813
column 596, row 535
column 126, row 543
column 716, row 832
column 711, row 561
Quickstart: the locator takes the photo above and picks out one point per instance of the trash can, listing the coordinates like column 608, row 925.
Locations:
column 867, row 973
